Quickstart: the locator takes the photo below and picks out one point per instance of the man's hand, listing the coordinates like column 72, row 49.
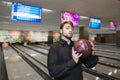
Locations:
column 93, row 47
column 75, row 55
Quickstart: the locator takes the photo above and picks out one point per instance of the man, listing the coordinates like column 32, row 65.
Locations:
column 63, row 62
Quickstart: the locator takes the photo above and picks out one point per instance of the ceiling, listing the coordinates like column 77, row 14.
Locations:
column 104, row 9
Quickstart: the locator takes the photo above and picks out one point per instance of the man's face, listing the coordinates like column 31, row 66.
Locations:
column 67, row 31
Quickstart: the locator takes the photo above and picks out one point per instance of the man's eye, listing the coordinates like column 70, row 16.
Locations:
column 67, row 28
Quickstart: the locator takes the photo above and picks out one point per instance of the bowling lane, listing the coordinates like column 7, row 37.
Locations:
column 39, row 48
column 38, row 56
column 108, row 51
column 42, row 46
column 17, row 68
column 109, row 61
column 108, row 48
column 108, row 70
column 87, row 76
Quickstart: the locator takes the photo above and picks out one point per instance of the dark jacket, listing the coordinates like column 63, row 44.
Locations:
column 61, row 66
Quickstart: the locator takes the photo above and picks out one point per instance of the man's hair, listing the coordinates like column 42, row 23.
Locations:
column 66, row 22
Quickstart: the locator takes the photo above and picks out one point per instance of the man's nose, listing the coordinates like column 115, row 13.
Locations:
column 71, row 29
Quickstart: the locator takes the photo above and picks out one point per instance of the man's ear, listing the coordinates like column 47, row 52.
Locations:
column 60, row 31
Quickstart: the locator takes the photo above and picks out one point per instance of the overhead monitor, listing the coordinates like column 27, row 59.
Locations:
column 68, row 16
column 94, row 23
column 113, row 25
column 25, row 12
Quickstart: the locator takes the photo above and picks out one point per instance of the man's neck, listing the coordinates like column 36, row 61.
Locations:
column 67, row 40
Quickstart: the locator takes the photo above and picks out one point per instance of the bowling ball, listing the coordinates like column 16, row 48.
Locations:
column 83, row 47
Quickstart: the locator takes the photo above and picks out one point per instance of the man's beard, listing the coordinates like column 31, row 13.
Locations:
column 67, row 37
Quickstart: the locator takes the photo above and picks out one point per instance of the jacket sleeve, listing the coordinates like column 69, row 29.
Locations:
column 55, row 69
column 90, row 61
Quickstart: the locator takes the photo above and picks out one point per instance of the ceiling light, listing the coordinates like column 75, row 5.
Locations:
column 47, row 10
column 84, row 17
column 7, row 3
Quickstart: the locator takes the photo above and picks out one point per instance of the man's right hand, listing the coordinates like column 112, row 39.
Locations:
column 75, row 55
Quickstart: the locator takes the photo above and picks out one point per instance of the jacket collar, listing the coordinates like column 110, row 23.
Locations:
column 63, row 42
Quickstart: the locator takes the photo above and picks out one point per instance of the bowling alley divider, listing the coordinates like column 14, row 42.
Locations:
column 83, row 33
column 50, row 37
column 4, row 44
column 118, row 38
column 3, row 70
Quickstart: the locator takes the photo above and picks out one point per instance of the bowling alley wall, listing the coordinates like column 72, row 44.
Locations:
column 19, row 36
column 15, row 36
column 100, row 36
